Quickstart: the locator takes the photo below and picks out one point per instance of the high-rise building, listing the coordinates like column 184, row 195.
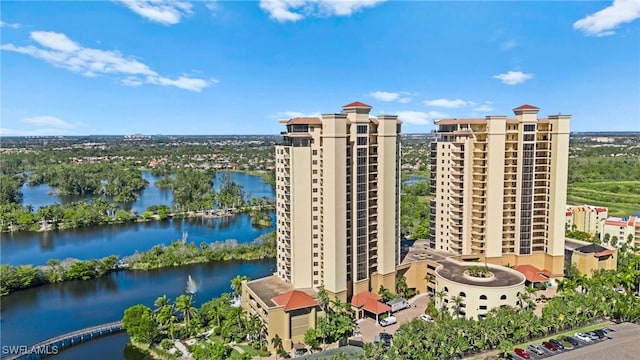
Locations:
column 337, row 201
column 500, row 186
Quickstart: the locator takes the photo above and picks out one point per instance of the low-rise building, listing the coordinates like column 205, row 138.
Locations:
column 471, row 287
column 284, row 310
column 586, row 218
column 618, row 231
column 588, row 257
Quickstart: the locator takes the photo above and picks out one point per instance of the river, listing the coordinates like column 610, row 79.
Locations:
column 35, row 314
column 32, row 315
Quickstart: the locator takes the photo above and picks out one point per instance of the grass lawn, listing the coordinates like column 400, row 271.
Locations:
column 621, row 197
column 348, row 350
column 566, row 333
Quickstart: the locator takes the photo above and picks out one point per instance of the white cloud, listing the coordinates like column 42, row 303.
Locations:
column 55, row 41
column 507, row 45
column 420, row 117
column 295, row 114
column 131, row 81
column 41, row 126
column 167, row 12
column 60, row 51
column 385, row 96
column 294, row 10
column 50, row 121
column 513, row 77
column 447, row 103
column 404, row 100
column 13, row 26
column 484, row 108
column 604, row 21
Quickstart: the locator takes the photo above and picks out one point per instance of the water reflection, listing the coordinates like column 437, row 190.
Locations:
column 122, row 240
column 35, row 314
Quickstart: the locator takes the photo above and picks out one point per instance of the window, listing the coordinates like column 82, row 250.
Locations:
column 483, row 297
column 315, row 263
column 503, row 297
column 315, row 236
column 315, row 273
column 362, row 129
column 446, row 289
column 362, row 140
column 483, row 307
column 314, row 152
column 462, row 294
column 529, row 127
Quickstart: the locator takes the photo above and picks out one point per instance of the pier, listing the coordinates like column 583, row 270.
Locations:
column 58, row 343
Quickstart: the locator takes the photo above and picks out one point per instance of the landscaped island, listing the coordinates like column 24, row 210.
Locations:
column 179, row 253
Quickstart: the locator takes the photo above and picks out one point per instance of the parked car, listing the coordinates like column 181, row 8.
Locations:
column 601, row 334
column 384, row 338
column 583, row 337
column 535, row 349
column 388, row 321
column 593, row 335
column 557, row 343
column 550, row 346
column 608, row 329
column 571, row 340
column 522, row 353
column 426, row 318
column 567, row 345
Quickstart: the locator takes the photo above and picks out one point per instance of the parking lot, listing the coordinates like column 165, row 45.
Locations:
column 621, row 344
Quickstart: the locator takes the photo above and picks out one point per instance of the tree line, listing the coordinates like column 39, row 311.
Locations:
column 14, row 278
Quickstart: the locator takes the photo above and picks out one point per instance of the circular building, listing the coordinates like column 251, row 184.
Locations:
column 473, row 289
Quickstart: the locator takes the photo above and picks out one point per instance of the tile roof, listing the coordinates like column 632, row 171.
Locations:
column 533, row 274
column 305, row 120
column 370, row 302
column 294, row 299
column 361, row 298
column 376, row 307
column 526, row 107
column 357, row 104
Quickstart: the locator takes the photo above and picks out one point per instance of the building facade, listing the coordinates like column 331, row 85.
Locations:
column 337, row 201
column 618, row 231
column 499, row 187
column 586, row 218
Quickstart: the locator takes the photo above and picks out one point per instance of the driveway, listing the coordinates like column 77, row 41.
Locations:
column 369, row 328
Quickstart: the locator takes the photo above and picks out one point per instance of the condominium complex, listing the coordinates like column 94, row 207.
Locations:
column 337, row 201
column 499, row 187
column 586, row 218
column 622, row 231
column 337, row 209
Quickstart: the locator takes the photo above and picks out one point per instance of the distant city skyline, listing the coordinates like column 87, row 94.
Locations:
column 180, row 67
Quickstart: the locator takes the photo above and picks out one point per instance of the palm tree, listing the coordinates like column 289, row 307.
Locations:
column 441, row 295
column 458, row 304
column 161, row 302
column 184, row 304
column 236, row 284
column 430, row 280
column 323, row 299
column 276, row 341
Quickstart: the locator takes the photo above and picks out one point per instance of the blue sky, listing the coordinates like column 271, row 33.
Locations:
column 236, row 67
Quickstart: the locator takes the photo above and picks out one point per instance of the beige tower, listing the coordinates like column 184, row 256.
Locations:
column 499, row 187
column 337, row 201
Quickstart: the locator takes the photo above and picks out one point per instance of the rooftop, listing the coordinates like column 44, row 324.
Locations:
column 269, row 288
column 357, row 104
column 294, row 299
column 452, row 268
column 533, row 274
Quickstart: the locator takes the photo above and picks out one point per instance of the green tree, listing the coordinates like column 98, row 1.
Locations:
column 139, row 324
column 236, row 284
